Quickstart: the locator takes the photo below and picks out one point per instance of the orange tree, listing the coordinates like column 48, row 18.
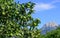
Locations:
column 16, row 20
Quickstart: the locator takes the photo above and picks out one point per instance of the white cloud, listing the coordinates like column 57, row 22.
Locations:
column 46, row 6
column 43, row 6
column 55, row 1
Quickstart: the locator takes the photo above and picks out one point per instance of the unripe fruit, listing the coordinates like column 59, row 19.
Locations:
column 24, row 17
column 35, row 24
column 5, row 3
column 3, row 13
column 23, row 6
column 18, row 5
column 29, row 4
column 11, row 34
column 17, row 12
column 21, row 17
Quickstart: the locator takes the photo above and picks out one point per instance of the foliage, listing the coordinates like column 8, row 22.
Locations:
column 16, row 20
column 53, row 34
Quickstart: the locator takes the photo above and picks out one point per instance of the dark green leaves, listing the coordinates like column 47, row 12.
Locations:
column 15, row 19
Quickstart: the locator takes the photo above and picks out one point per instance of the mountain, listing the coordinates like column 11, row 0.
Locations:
column 48, row 27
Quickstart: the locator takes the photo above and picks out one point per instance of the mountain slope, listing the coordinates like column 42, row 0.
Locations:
column 48, row 27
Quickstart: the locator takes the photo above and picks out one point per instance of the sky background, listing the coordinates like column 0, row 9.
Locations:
column 45, row 10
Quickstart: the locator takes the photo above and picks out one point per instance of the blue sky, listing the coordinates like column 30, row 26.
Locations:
column 45, row 10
